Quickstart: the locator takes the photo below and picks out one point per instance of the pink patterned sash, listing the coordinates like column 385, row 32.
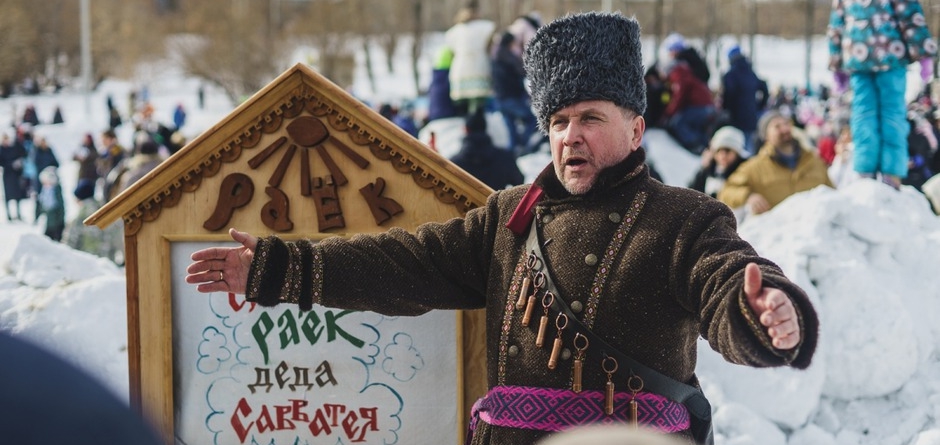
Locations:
column 551, row 409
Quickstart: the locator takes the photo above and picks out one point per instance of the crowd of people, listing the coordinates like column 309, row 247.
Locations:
column 104, row 168
column 785, row 140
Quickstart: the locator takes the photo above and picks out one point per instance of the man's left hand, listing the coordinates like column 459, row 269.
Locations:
column 774, row 309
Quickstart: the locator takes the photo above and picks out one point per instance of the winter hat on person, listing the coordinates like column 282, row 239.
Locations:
column 85, row 189
column 764, row 121
column 728, row 137
column 734, row 52
column 674, row 42
column 49, row 176
column 589, row 56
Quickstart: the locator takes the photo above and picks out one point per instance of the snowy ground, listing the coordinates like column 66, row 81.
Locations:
column 866, row 255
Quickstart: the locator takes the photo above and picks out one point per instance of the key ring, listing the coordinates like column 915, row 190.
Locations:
column 604, row 364
column 558, row 322
column 533, row 261
column 635, row 383
column 539, row 280
column 586, row 342
column 550, row 297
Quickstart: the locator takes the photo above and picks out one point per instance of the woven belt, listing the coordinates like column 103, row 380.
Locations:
column 551, row 409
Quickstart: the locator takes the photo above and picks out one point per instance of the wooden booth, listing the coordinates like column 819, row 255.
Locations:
column 302, row 159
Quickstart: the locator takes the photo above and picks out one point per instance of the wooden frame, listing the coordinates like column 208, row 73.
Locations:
column 175, row 201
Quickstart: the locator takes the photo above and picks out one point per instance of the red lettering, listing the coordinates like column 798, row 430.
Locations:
column 241, row 410
column 299, row 415
column 319, row 424
column 349, row 427
column 265, row 422
column 283, row 412
column 355, row 423
column 334, row 411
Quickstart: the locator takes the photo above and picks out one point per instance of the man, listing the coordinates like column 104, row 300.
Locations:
column 781, row 168
column 644, row 267
column 691, row 110
column 743, row 95
column 680, row 51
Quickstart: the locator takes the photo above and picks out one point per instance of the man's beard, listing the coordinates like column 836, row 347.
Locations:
column 574, row 187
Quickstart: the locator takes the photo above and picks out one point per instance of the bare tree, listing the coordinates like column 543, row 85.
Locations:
column 16, row 40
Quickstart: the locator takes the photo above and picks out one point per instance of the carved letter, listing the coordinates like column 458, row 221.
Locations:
column 236, row 191
column 382, row 208
column 329, row 215
column 275, row 214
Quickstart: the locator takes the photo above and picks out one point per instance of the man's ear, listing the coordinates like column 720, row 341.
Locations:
column 639, row 128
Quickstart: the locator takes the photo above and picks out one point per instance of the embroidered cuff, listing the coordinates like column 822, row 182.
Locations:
column 285, row 272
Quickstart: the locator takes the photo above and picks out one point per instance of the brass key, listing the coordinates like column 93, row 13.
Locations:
column 634, row 385
column 539, row 281
column 609, row 388
column 547, row 301
column 578, row 361
column 561, row 322
column 531, row 264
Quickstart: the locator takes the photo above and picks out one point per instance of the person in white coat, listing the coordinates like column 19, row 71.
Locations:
column 469, row 39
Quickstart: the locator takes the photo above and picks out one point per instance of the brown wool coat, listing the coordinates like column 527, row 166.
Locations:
column 678, row 275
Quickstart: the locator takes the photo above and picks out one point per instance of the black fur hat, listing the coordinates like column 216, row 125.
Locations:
column 589, row 56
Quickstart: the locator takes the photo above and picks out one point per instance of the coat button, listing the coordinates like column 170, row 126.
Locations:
column 513, row 351
column 577, row 307
column 547, row 218
column 590, row 259
column 614, row 217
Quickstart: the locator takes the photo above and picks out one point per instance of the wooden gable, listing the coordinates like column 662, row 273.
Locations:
column 302, row 159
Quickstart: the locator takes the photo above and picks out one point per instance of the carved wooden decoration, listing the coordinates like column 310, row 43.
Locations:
column 383, row 209
column 236, row 191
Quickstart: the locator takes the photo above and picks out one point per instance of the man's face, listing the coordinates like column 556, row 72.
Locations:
column 779, row 131
column 588, row 137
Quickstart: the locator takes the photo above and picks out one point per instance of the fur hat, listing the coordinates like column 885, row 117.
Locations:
column 589, row 56
column 728, row 137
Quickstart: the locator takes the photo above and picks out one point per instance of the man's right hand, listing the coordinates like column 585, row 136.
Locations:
column 223, row 269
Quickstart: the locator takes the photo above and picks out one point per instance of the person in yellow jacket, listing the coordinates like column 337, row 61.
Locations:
column 781, row 168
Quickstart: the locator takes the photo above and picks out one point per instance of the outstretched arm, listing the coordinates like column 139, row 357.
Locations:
column 223, row 269
column 774, row 309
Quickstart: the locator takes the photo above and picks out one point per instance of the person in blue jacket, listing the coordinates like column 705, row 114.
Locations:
column 870, row 46
column 744, row 96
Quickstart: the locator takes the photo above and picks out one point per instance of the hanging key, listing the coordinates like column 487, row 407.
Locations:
column 531, row 264
column 580, row 351
column 539, row 282
column 547, row 301
column 611, row 363
column 561, row 322
column 634, row 385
